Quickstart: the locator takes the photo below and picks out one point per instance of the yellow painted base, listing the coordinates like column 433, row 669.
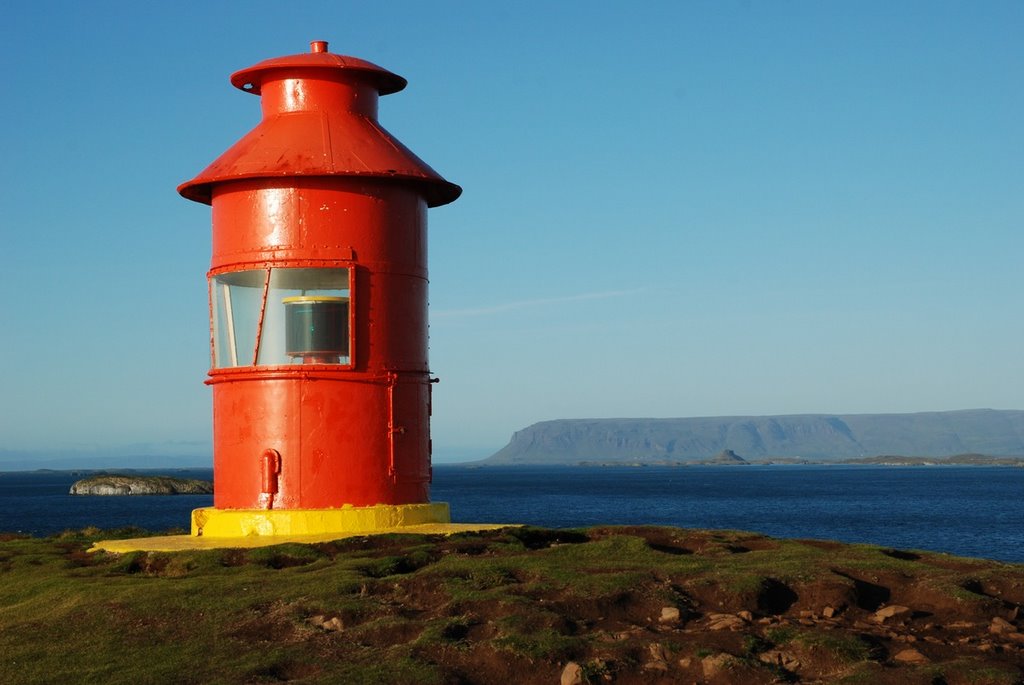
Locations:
column 233, row 523
column 225, row 528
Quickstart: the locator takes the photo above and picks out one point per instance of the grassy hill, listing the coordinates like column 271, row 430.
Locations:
column 619, row 605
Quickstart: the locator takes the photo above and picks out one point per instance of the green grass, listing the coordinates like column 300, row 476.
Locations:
column 412, row 606
column 544, row 644
column 151, row 617
column 867, row 673
column 976, row 673
column 845, row 648
column 781, row 635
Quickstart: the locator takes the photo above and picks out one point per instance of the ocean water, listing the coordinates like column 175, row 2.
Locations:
column 968, row 511
column 38, row 503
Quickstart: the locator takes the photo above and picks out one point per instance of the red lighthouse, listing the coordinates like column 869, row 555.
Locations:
column 318, row 309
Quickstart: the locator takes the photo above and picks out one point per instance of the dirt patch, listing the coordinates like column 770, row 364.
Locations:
column 543, row 538
column 273, row 623
column 775, row 597
column 233, row 557
column 1006, row 590
column 827, row 545
column 285, row 671
column 618, row 611
column 710, row 543
column 867, row 595
column 375, row 545
column 397, row 566
column 835, row 592
column 280, row 561
column 385, row 633
column 146, row 563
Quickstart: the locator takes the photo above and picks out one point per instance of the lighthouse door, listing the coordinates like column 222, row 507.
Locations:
column 410, row 429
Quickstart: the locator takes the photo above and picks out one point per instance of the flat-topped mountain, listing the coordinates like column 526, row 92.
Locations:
column 819, row 437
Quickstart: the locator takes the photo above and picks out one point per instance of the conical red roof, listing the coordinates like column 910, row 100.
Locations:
column 319, row 120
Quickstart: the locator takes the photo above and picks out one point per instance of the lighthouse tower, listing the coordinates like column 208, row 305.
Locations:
column 318, row 309
column 318, row 317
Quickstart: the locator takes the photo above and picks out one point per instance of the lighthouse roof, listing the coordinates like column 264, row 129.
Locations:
column 331, row 129
column 251, row 79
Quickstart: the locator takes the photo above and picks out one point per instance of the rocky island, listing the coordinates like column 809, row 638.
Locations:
column 140, row 485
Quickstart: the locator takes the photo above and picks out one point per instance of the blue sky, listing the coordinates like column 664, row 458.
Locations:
column 670, row 209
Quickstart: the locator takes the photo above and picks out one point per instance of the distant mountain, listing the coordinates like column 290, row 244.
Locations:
column 90, row 460
column 183, row 453
column 820, row 437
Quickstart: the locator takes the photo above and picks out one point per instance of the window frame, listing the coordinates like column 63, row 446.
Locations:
column 249, row 363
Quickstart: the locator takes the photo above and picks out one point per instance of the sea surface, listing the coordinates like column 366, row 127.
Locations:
column 968, row 511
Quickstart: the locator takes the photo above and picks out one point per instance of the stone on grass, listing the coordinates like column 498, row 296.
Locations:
column 725, row 622
column 888, row 612
column 321, row 621
column 669, row 615
column 777, row 657
column 1001, row 625
column 713, row 665
column 961, row 625
column 658, row 660
column 910, row 656
column 572, row 674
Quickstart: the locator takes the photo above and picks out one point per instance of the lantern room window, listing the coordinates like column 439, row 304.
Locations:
column 276, row 316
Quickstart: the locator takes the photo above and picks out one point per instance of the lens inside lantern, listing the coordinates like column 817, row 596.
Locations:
column 316, row 328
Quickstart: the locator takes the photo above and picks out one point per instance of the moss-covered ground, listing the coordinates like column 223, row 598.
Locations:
column 627, row 605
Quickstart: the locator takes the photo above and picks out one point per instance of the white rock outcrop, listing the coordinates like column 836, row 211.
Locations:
column 140, row 485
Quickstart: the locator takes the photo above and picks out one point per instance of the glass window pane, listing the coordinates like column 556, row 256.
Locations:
column 236, row 308
column 304, row 318
column 307, row 317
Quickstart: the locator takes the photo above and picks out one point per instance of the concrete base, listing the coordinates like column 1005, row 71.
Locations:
column 226, row 528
